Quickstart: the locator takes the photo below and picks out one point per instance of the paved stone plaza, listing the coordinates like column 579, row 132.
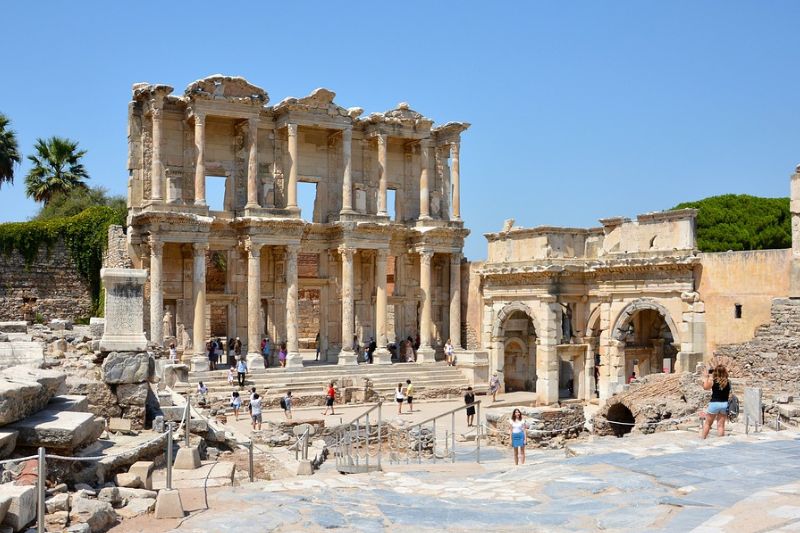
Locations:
column 668, row 481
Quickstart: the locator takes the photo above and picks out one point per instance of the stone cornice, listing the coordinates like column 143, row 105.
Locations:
column 550, row 268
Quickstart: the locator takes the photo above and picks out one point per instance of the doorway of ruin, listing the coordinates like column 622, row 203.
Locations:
column 308, row 301
column 519, row 353
column 648, row 336
column 307, row 201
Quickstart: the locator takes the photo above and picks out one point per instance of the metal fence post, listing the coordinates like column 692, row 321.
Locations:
column 250, row 466
column 187, row 419
column 380, row 444
column 478, row 435
column 453, row 436
column 40, row 487
column 169, row 455
column 434, row 440
column 366, row 434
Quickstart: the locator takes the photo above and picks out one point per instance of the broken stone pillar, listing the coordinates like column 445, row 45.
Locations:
column 794, row 284
column 124, row 310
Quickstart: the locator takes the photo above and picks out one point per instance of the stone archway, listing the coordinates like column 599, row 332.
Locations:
column 645, row 336
column 514, row 346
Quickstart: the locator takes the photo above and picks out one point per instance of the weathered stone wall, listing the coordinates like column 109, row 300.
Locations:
column 117, row 255
column 771, row 360
column 547, row 427
column 750, row 279
column 50, row 286
column 472, row 305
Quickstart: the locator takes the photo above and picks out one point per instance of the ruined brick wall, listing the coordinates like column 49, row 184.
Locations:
column 50, row 286
column 771, row 360
column 116, row 255
column 471, row 304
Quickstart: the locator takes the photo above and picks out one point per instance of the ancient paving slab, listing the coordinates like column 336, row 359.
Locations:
column 21, row 353
column 210, row 474
column 24, row 391
column 61, row 430
column 676, row 487
column 23, row 505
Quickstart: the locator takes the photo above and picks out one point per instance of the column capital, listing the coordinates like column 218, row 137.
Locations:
column 455, row 146
column 382, row 138
column 347, row 251
column 156, row 245
column 455, row 258
column 252, row 124
column 426, row 256
column 292, row 249
column 347, row 133
column 199, row 248
column 199, row 118
column 252, row 248
column 291, row 129
column 382, row 254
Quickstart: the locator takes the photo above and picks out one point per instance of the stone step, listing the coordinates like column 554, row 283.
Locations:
column 70, row 402
column 8, row 441
column 301, row 379
column 21, row 353
column 394, row 380
column 57, row 429
column 330, row 369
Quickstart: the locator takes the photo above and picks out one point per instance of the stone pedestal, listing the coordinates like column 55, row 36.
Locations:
column 382, row 356
column 305, row 468
column 199, row 363
column 187, row 458
column 426, row 355
column 124, row 310
column 169, row 504
column 347, row 358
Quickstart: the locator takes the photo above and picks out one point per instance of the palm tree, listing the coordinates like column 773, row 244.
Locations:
column 9, row 152
column 56, row 169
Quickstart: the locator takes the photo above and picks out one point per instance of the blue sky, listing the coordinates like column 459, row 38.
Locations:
column 579, row 110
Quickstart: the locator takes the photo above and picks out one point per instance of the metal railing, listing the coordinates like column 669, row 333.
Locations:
column 354, row 441
column 421, row 440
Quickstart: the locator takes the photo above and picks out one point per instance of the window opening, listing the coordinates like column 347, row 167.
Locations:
column 391, row 206
column 737, row 311
column 307, row 200
column 216, row 187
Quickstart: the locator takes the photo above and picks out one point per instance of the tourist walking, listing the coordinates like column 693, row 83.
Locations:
column 448, row 353
column 173, row 353
column 230, row 375
column 282, row 355
column 371, row 347
column 469, row 399
column 717, row 382
column 286, row 405
column 236, row 403
column 237, row 347
column 519, row 437
column 409, row 351
column 494, row 386
column 410, row 395
column 255, row 412
column 265, row 351
column 210, row 350
column 241, row 371
column 399, row 397
column 202, row 391
column 330, row 398
column 316, row 342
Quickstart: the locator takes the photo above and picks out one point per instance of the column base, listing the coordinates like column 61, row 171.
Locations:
column 199, row 363
column 294, row 360
column 426, row 354
column 382, row 356
column 252, row 206
column 347, row 357
column 254, row 360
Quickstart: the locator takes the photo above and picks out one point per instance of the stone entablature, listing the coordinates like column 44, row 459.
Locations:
column 591, row 296
column 241, row 265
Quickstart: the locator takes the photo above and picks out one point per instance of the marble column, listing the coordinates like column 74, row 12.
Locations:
column 347, row 356
column 293, row 356
column 156, row 166
column 291, row 193
column 200, row 163
column 455, row 148
column 254, row 325
column 382, row 355
column 200, row 359
column 426, row 353
column 347, row 177
column 252, row 164
column 455, row 300
column 383, row 141
column 156, row 291
column 424, row 187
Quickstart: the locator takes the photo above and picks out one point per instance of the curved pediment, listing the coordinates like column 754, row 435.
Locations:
column 233, row 89
column 320, row 100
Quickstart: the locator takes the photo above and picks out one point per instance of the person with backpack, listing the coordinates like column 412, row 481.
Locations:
column 286, row 405
column 330, row 397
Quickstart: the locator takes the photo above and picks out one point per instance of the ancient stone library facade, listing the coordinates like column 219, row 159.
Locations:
column 258, row 267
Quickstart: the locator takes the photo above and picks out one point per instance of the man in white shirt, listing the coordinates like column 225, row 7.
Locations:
column 255, row 412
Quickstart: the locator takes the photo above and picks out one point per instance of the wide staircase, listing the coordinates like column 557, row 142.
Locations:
column 313, row 378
